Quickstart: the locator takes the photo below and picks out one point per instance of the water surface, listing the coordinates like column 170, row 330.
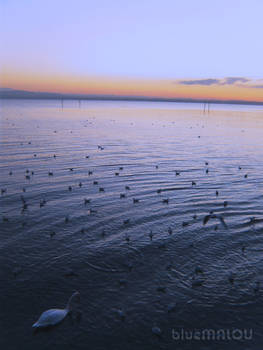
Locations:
column 142, row 258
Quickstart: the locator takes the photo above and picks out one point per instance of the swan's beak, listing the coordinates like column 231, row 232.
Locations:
column 35, row 325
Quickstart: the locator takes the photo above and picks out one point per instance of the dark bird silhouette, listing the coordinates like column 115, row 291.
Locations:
column 90, row 172
column 193, row 183
column 95, row 182
column 257, row 287
column 217, row 193
column 225, row 203
column 245, row 176
column 214, row 216
column 165, row 201
column 70, row 188
column 42, row 203
column 122, row 195
column 127, row 188
column 50, row 173
column 199, row 270
column 135, row 200
column 86, row 201
column 161, row 289
column 231, row 278
column 101, row 189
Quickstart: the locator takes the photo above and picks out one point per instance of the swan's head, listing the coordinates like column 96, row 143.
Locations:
column 76, row 294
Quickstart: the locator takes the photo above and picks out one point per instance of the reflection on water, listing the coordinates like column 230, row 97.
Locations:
column 136, row 248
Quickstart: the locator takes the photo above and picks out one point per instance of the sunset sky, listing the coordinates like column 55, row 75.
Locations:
column 169, row 48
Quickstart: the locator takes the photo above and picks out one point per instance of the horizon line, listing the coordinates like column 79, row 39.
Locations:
column 9, row 93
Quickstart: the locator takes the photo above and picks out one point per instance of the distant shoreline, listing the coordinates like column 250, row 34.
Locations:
column 30, row 95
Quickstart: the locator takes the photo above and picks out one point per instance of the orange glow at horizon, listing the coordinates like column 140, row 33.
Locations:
column 162, row 88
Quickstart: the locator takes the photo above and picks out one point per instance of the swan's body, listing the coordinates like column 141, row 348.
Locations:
column 52, row 317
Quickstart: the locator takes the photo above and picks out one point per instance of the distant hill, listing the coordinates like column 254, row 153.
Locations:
column 8, row 93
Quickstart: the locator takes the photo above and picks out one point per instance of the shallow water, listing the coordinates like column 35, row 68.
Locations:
column 115, row 265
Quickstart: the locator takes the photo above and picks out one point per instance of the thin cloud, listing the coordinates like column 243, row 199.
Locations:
column 233, row 80
column 206, row 82
column 237, row 81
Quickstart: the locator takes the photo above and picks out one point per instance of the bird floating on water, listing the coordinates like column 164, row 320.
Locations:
column 52, row 317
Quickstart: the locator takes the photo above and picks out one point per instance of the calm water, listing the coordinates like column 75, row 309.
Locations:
column 185, row 275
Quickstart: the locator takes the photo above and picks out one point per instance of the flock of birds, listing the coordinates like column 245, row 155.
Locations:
column 54, row 316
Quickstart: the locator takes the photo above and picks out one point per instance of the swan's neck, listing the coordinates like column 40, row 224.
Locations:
column 68, row 306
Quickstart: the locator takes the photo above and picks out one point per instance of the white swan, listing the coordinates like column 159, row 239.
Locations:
column 52, row 317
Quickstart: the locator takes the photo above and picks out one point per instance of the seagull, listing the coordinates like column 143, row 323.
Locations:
column 52, row 317
column 214, row 216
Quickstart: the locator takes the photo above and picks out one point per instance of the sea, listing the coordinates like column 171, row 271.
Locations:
column 153, row 211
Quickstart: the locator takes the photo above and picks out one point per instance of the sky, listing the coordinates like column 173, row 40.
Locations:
column 169, row 48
